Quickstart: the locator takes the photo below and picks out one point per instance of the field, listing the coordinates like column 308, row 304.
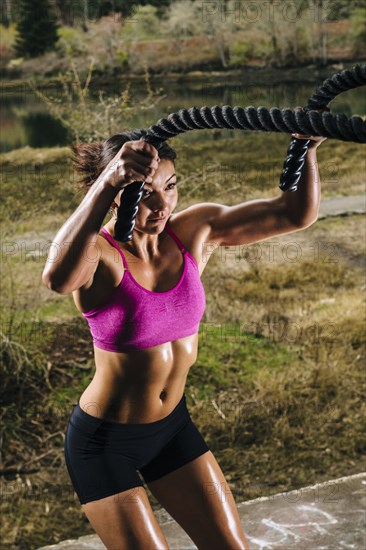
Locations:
column 278, row 387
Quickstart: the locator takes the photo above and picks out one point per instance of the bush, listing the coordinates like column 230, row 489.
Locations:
column 72, row 41
column 7, row 40
column 122, row 58
column 87, row 119
column 240, row 53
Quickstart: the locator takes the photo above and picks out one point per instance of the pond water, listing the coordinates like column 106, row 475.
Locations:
column 26, row 120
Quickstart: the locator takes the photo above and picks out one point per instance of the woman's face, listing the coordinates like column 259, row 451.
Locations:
column 159, row 199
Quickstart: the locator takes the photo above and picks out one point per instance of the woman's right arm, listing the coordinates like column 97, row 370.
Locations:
column 73, row 256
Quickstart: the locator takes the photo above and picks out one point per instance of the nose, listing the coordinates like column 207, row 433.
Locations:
column 160, row 203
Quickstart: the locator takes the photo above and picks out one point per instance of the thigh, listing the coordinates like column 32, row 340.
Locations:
column 96, row 470
column 126, row 520
column 198, row 497
column 186, row 445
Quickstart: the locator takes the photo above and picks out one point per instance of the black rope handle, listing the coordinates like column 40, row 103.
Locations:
column 307, row 121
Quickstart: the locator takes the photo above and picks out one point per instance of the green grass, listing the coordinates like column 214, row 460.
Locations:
column 230, row 357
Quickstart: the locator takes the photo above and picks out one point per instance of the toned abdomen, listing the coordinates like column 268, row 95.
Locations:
column 141, row 386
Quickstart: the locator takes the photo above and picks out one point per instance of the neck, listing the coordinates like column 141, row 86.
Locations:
column 143, row 245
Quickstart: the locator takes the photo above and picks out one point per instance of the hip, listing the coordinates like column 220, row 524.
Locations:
column 87, row 436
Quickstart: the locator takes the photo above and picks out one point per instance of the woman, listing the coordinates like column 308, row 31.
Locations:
column 144, row 300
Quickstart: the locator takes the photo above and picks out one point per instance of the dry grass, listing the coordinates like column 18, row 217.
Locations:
column 281, row 406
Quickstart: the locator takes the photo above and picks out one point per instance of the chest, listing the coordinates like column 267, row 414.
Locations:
column 159, row 276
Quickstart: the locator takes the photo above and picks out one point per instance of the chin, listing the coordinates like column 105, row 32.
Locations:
column 158, row 228
column 153, row 229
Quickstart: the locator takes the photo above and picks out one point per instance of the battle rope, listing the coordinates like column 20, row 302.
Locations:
column 305, row 121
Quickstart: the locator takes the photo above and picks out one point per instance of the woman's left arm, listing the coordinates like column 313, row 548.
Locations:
column 260, row 219
column 302, row 205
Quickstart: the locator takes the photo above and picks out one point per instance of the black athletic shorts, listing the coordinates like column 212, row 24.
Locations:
column 103, row 457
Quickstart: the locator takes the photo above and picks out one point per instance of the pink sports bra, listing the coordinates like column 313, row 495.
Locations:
column 135, row 318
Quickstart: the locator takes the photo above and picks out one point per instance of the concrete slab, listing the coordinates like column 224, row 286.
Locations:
column 325, row 516
column 342, row 206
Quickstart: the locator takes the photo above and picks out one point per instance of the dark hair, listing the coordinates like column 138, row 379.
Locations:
column 90, row 159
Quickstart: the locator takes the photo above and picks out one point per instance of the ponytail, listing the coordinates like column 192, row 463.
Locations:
column 90, row 159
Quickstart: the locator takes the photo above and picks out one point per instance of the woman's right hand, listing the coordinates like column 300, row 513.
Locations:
column 135, row 161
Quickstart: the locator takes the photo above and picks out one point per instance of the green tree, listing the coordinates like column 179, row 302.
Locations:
column 36, row 28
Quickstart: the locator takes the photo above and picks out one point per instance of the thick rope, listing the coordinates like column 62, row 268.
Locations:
column 307, row 121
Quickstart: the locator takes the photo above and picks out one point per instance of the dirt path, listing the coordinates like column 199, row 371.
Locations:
column 342, row 206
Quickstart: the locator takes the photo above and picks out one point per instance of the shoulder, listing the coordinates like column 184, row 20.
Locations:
column 106, row 274
column 205, row 211
column 196, row 218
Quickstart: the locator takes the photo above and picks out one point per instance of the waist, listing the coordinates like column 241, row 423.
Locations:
column 91, row 417
column 86, row 422
column 140, row 386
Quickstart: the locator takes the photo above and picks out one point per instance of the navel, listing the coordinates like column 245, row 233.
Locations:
column 163, row 395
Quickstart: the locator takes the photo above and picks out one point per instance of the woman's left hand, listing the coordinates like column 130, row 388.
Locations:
column 315, row 140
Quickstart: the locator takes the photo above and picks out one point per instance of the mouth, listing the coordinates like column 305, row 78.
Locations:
column 157, row 220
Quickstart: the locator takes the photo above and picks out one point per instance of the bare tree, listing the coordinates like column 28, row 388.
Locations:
column 194, row 18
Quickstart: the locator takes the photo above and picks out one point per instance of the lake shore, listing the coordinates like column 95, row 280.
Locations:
column 248, row 74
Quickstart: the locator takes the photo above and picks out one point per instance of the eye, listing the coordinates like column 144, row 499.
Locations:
column 146, row 193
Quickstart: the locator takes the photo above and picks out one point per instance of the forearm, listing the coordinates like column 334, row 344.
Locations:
column 302, row 206
column 73, row 249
